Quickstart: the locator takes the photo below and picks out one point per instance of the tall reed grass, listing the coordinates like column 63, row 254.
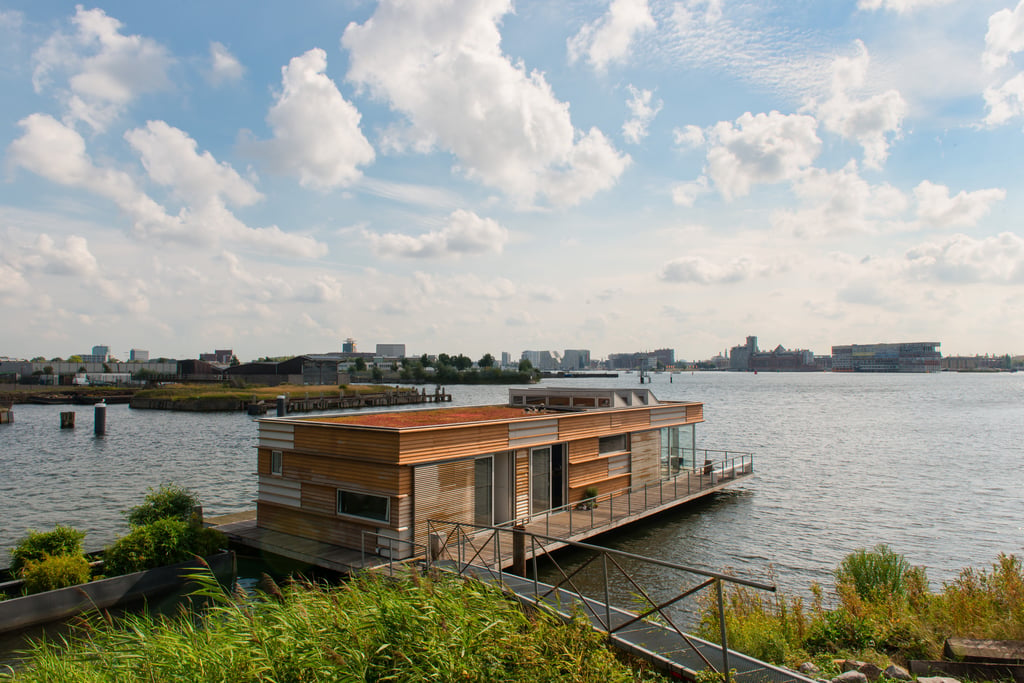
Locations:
column 370, row 629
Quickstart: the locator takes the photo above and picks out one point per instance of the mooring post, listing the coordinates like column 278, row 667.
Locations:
column 519, row 550
column 282, row 405
column 100, row 419
column 67, row 420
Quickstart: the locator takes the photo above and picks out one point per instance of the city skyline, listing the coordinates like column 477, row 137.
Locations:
column 615, row 175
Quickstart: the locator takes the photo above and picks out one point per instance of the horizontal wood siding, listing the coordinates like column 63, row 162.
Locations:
column 522, row 495
column 340, row 531
column 668, row 415
column 280, row 491
column 365, row 477
column 574, row 427
column 263, row 461
column 618, row 465
column 630, row 421
column 276, row 435
column 444, row 492
column 695, row 413
column 364, row 444
column 441, row 444
column 320, row 498
column 646, row 456
column 588, row 474
column 583, row 450
column 532, row 433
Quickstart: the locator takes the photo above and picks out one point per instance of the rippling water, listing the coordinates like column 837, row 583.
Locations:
column 930, row 464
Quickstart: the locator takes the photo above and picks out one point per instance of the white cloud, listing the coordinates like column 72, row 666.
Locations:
column 73, row 259
column 105, row 69
column 686, row 194
column 868, row 121
column 961, row 259
column 900, row 6
column 316, row 130
column 761, row 148
column 224, row 66
column 171, row 159
column 56, row 152
column 1005, row 101
column 936, row 207
column 609, row 38
column 699, row 270
column 689, row 137
column 463, row 233
column 1005, row 36
column 643, row 110
column 840, row 203
column 441, row 65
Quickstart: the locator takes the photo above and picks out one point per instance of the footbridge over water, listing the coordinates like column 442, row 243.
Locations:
column 623, row 595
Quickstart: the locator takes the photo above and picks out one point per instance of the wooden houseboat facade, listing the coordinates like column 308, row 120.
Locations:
column 339, row 479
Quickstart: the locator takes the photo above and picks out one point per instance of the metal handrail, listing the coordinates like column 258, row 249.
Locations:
column 453, row 538
column 418, row 549
column 731, row 465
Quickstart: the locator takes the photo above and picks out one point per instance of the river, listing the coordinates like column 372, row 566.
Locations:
column 929, row 464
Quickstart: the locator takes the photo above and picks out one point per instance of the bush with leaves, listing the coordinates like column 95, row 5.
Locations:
column 37, row 545
column 55, row 571
column 163, row 542
column 167, row 501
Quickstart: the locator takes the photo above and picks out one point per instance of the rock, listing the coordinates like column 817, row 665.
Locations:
column 870, row 670
column 850, row 664
column 936, row 679
column 809, row 669
column 897, row 673
column 850, row 677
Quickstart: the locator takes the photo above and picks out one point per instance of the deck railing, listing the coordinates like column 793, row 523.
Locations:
column 605, row 509
column 480, row 551
column 375, row 546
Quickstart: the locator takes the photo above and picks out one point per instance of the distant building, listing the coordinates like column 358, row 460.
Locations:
column 390, row 350
column 348, row 346
column 542, row 360
column 576, row 359
column 740, row 356
column 138, row 355
column 898, row 357
column 222, row 356
column 985, row 362
column 506, row 359
column 99, row 354
column 647, row 360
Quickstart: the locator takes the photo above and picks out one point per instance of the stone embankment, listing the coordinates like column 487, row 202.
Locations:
column 866, row 672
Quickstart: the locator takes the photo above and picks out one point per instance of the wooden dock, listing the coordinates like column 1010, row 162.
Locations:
column 383, row 399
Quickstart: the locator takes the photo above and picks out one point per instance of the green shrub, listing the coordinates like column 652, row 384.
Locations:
column 163, row 542
column 36, row 545
column 875, row 574
column 55, row 571
column 168, row 501
column 983, row 604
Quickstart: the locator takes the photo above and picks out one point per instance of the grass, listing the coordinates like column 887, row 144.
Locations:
column 884, row 613
column 369, row 629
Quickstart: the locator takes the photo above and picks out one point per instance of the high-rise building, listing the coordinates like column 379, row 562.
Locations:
column 390, row 350
column 576, row 359
column 348, row 346
column 138, row 355
column 898, row 357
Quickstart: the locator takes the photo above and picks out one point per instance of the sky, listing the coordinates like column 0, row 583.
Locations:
column 485, row 176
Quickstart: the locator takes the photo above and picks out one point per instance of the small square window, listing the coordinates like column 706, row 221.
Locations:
column 276, row 462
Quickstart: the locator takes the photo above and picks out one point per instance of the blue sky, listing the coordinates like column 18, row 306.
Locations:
column 473, row 177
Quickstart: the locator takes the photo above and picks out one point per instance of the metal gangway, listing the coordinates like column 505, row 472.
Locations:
column 647, row 628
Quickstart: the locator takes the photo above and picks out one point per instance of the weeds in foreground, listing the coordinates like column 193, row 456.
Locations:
column 368, row 629
column 884, row 612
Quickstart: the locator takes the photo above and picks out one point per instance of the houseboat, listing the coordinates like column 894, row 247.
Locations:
column 548, row 454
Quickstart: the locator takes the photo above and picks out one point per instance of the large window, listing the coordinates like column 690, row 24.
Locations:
column 676, row 449
column 365, row 505
column 540, row 479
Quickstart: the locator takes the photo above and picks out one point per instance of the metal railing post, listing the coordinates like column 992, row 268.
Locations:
column 607, row 601
column 721, row 626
